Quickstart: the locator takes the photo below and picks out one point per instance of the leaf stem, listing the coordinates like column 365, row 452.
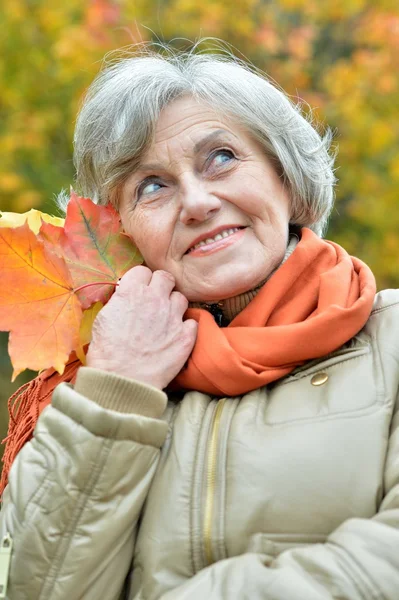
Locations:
column 82, row 287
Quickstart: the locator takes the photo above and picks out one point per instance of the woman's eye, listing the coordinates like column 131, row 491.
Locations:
column 222, row 156
column 148, row 187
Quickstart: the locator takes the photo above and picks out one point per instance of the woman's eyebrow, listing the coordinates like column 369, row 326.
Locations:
column 212, row 137
column 200, row 145
column 149, row 167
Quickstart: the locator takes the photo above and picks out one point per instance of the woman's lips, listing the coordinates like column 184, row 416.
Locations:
column 218, row 245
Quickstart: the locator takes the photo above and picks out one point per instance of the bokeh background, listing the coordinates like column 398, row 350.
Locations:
column 339, row 56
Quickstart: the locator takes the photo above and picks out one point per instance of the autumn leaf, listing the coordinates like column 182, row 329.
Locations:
column 37, row 302
column 34, row 218
column 94, row 248
column 55, row 277
column 85, row 331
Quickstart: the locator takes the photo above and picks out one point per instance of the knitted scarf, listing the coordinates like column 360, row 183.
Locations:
column 315, row 302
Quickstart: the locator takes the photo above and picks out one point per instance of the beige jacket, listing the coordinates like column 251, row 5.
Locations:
column 290, row 492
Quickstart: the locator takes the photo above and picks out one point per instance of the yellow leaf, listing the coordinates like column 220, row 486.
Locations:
column 33, row 217
column 86, row 328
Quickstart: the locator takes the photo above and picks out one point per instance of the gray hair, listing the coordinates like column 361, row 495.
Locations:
column 118, row 118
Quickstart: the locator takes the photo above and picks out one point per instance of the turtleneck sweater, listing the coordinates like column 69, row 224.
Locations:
column 230, row 307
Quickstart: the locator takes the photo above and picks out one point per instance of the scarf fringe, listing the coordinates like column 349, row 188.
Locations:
column 21, row 423
column 24, row 407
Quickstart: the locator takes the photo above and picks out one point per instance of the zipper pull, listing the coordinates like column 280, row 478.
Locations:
column 5, row 558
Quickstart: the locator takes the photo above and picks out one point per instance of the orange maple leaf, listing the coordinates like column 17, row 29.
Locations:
column 37, row 302
column 94, row 248
column 49, row 276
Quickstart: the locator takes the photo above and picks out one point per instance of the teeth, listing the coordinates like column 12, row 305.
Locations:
column 218, row 236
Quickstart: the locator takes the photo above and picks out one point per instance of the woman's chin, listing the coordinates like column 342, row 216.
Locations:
column 216, row 293
column 212, row 281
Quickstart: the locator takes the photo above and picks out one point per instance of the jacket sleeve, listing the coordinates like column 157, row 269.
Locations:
column 359, row 561
column 77, row 488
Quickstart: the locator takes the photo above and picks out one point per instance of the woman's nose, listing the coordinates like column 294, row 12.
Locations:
column 197, row 204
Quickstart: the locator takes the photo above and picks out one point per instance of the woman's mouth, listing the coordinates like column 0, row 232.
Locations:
column 221, row 240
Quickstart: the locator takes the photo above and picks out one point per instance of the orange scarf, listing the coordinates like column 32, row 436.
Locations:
column 315, row 302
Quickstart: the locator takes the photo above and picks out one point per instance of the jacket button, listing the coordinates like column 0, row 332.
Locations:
column 319, row 378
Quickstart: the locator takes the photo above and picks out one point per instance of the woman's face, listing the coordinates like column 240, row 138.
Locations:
column 206, row 181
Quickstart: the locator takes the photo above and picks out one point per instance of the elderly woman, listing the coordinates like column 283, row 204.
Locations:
column 233, row 434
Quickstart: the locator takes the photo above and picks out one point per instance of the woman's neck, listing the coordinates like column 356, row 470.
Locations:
column 224, row 311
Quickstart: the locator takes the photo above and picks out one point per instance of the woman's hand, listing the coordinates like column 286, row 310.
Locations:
column 140, row 332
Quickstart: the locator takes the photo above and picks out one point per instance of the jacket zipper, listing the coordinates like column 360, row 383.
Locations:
column 5, row 558
column 211, row 482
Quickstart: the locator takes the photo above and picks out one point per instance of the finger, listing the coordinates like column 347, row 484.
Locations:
column 136, row 275
column 163, row 282
column 191, row 328
column 179, row 302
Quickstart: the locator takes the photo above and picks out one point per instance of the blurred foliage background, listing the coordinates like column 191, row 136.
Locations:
column 339, row 56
